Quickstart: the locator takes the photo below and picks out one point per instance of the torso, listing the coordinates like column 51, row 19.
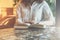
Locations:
column 32, row 13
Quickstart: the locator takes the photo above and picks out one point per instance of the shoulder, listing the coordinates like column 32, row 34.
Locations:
column 45, row 4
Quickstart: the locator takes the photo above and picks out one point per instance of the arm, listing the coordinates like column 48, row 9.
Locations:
column 19, row 19
column 48, row 16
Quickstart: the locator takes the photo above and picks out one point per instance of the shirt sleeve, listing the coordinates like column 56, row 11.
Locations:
column 48, row 15
column 19, row 19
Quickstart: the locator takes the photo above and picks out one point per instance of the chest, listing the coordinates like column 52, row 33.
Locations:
column 37, row 10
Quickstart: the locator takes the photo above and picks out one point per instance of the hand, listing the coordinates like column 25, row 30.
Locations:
column 24, row 24
column 27, row 24
column 30, row 22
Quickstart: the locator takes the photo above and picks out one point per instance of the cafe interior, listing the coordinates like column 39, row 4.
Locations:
column 7, row 8
column 7, row 12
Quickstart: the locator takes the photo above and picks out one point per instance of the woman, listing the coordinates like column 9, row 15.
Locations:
column 23, row 12
column 34, row 12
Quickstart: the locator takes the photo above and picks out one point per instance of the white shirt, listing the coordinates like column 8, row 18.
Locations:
column 37, row 13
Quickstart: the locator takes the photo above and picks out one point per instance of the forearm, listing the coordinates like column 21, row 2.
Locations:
column 23, row 23
column 46, row 22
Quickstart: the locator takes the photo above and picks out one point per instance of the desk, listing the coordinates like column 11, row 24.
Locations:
column 7, row 34
column 30, row 33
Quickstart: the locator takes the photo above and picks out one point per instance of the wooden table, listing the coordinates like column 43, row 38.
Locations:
column 7, row 33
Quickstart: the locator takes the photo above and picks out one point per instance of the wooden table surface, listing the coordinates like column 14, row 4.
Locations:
column 7, row 33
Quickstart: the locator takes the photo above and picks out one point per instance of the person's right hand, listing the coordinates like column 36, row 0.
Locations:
column 28, row 24
column 25, row 24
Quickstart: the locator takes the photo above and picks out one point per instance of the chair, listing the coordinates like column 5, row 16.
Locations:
column 7, row 22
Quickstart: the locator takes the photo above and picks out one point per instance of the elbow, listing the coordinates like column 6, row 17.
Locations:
column 52, row 21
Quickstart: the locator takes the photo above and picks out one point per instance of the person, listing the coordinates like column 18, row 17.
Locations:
column 23, row 17
column 35, row 12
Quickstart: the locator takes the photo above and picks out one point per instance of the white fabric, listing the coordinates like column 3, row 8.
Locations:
column 40, row 11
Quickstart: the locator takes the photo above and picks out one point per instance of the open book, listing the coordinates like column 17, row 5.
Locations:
column 29, row 26
column 36, row 26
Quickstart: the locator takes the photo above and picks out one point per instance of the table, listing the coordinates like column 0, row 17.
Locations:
column 7, row 34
